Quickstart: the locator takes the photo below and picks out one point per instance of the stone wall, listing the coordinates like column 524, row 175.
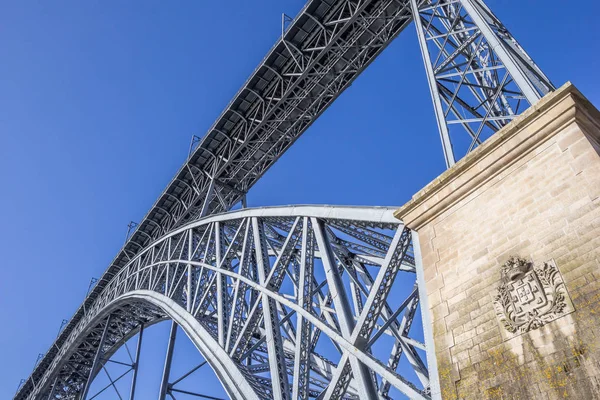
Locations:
column 532, row 190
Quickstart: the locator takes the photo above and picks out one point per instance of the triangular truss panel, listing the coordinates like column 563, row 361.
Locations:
column 312, row 302
column 479, row 76
column 300, row 302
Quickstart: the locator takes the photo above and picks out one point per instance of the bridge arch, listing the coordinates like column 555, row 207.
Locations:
column 258, row 291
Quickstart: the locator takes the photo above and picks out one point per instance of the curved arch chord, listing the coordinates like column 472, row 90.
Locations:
column 280, row 301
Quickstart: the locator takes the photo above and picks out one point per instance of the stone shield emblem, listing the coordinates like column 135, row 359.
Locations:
column 529, row 296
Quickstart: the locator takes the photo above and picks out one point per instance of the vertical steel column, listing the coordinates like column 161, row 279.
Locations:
column 136, row 363
column 364, row 380
column 221, row 288
column 189, row 272
column 209, row 195
column 302, row 356
column 164, row 385
column 277, row 365
column 481, row 75
column 434, row 383
column 433, row 88
column 517, row 73
column 96, row 361
column 532, row 70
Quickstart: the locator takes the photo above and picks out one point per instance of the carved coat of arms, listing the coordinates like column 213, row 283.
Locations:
column 530, row 296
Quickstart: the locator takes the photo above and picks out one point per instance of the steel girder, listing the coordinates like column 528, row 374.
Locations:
column 321, row 52
column 479, row 77
column 281, row 306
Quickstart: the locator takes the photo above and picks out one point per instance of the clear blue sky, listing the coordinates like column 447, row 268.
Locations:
column 99, row 99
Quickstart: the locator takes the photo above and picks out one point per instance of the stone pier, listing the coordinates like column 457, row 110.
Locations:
column 510, row 245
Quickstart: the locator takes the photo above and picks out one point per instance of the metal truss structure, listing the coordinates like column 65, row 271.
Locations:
column 479, row 76
column 259, row 291
column 286, row 302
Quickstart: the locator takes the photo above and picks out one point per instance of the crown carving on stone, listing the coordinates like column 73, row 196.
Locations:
column 515, row 268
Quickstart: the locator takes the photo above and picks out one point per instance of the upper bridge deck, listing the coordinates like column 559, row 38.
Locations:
column 320, row 53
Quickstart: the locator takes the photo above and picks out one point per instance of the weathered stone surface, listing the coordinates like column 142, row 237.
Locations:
column 532, row 190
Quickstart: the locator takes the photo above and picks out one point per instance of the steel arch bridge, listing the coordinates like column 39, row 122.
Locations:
column 283, row 270
column 260, row 291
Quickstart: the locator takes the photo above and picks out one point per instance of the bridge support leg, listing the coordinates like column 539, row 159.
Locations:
column 97, row 359
column 164, row 385
column 435, row 94
column 209, row 195
column 136, row 363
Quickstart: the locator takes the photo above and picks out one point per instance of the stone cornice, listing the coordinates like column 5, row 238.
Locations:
column 528, row 131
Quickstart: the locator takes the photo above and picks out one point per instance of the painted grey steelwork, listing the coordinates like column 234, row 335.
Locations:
column 479, row 78
column 294, row 278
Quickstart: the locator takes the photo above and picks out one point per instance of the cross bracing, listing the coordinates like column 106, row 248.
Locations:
column 326, row 46
column 260, row 291
column 479, row 78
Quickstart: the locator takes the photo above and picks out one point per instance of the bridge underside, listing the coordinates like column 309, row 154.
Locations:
column 297, row 302
column 282, row 302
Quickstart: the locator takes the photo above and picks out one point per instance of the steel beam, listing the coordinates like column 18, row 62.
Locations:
column 164, row 385
column 433, row 89
column 97, row 359
column 136, row 363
